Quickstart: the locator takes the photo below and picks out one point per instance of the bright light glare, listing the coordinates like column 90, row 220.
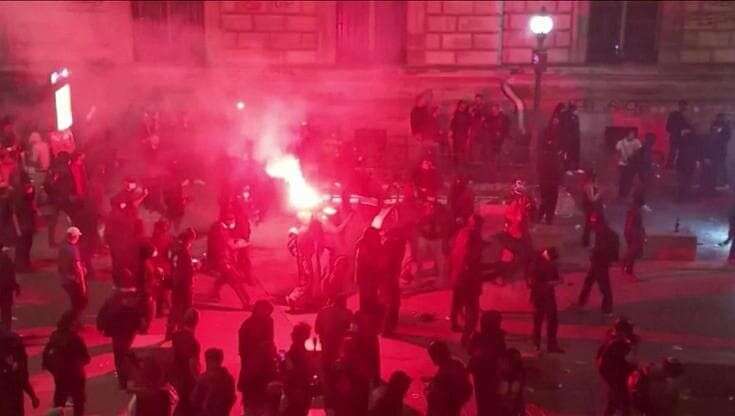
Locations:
column 240, row 105
column 63, row 108
column 300, row 194
column 541, row 24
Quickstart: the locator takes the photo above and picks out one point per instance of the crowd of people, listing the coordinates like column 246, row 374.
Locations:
column 153, row 275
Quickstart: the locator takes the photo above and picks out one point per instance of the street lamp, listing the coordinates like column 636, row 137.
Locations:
column 541, row 25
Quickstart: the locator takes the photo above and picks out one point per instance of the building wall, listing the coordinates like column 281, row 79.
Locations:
column 697, row 32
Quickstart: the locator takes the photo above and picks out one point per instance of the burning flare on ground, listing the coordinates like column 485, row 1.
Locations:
column 301, row 195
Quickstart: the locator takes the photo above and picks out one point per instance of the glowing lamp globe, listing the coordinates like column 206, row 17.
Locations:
column 541, row 24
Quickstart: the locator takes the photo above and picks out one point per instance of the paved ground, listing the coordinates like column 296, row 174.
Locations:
column 681, row 309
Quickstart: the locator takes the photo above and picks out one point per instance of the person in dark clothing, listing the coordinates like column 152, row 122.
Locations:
column 614, row 368
column 14, row 379
column 257, row 357
column 121, row 318
column 59, row 186
column 214, row 392
column 298, row 373
column 420, row 116
column 175, row 200
column 677, row 125
column 497, row 126
column 450, row 388
column 465, row 268
column 549, row 174
column 123, row 234
column 689, row 153
column 571, row 138
column 642, row 161
column 182, row 278
column 369, row 269
column 552, row 137
column 367, row 343
column 603, row 254
column 478, row 129
column 461, row 203
column 331, row 325
column 8, row 289
column 426, row 178
column 148, row 281
column 26, row 214
column 720, row 131
column 186, row 365
column 72, row 271
column 591, row 205
column 543, row 279
column 394, row 248
column 512, row 384
column 352, row 382
column 65, row 357
column 635, row 235
column 459, row 129
column 153, row 396
column 485, row 351
column 433, row 233
column 390, row 397
column 730, row 235
column 221, row 253
column 162, row 240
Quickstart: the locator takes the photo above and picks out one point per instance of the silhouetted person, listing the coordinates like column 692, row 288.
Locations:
column 123, row 234
column 677, row 126
column 121, row 318
column 257, row 355
column 605, row 252
column 182, row 278
column 214, row 392
column 352, row 384
column 720, row 132
column 433, row 233
column 26, row 215
column 389, row 401
column 614, row 369
column 368, row 268
column 690, row 152
column 654, row 389
column 394, row 249
column 367, row 329
column 571, row 138
column 497, row 126
column 635, row 235
column 426, row 178
column 186, row 365
column 221, row 251
column 459, row 129
column 512, row 384
column 162, row 240
column 153, row 395
column 298, row 373
column 14, row 380
column 461, row 203
column 450, row 388
column 72, row 271
column 485, row 350
column 65, row 357
column 543, row 279
column 331, row 325
column 591, row 205
column 465, row 271
column 549, row 180
column 8, row 288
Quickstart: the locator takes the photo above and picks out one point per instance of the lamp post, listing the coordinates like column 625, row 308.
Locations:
column 541, row 25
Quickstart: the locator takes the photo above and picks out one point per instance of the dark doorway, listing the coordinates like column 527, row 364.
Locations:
column 371, row 32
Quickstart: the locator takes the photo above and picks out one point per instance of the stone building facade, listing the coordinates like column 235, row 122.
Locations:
column 363, row 62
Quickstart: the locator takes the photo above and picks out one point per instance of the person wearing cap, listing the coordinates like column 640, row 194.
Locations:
column 8, row 288
column 678, row 126
column 542, row 279
column 222, row 247
column 72, row 271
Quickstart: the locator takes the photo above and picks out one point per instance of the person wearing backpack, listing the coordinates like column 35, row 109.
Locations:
column 65, row 357
column 14, row 380
column 450, row 388
column 605, row 252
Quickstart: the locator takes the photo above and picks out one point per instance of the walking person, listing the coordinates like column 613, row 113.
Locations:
column 298, row 373
column 257, row 358
column 605, row 252
column 65, row 357
column 14, row 378
column 485, row 350
column 182, row 279
column 72, row 271
column 543, row 279
column 214, row 392
column 614, row 369
column 221, row 252
column 121, row 318
column 186, row 365
column 549, row 179
column 9, row 288
column 635, row 236
column 465, row 271
column 677, row 125
column 627, row 148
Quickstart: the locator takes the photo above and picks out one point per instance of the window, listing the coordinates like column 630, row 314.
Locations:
column 168, row 31
column 371, row 32
column 622, row 31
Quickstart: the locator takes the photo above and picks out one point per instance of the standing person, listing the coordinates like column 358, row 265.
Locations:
column 461, row 202
column 59, row 186
column 25, row 214
column 486, row 350
column 549, row 174
column 257, row 355
column 605, row 252
column 552, row 137
column 498, row 129
column 690, row 152
column 433, row 232
column 478, row 129
column 591, row 205
column 298, row 374
column 121, row 318
column 369, row 269
column 459, row 130
column 614, row 368
column 635, row 235
column 221, row 251
column 450, row 388
column 677, row 125
column 571, row 139
column 124, row 234
column 627, row 148
column 331, row 325
column 14, row 379
column 543, row 279
column 72, row 271
column 426, row 178
column 643, row 161
column 389, row 401
column 512, row 384
column 148, row 280
column 465, row 268
column 65, row 357
column 154, row 396
column 186, row 365
column 394, row 249
column 214, row 392
column 8, row 288
column 182, row 279
column 162, row 240
column 720, row 130
column 352, row 383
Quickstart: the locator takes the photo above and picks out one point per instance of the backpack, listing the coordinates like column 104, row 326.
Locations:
column 52, row 358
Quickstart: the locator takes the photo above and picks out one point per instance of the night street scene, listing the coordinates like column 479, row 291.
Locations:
column 367, row 208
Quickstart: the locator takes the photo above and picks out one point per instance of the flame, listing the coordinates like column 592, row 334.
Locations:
column 301, row 195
